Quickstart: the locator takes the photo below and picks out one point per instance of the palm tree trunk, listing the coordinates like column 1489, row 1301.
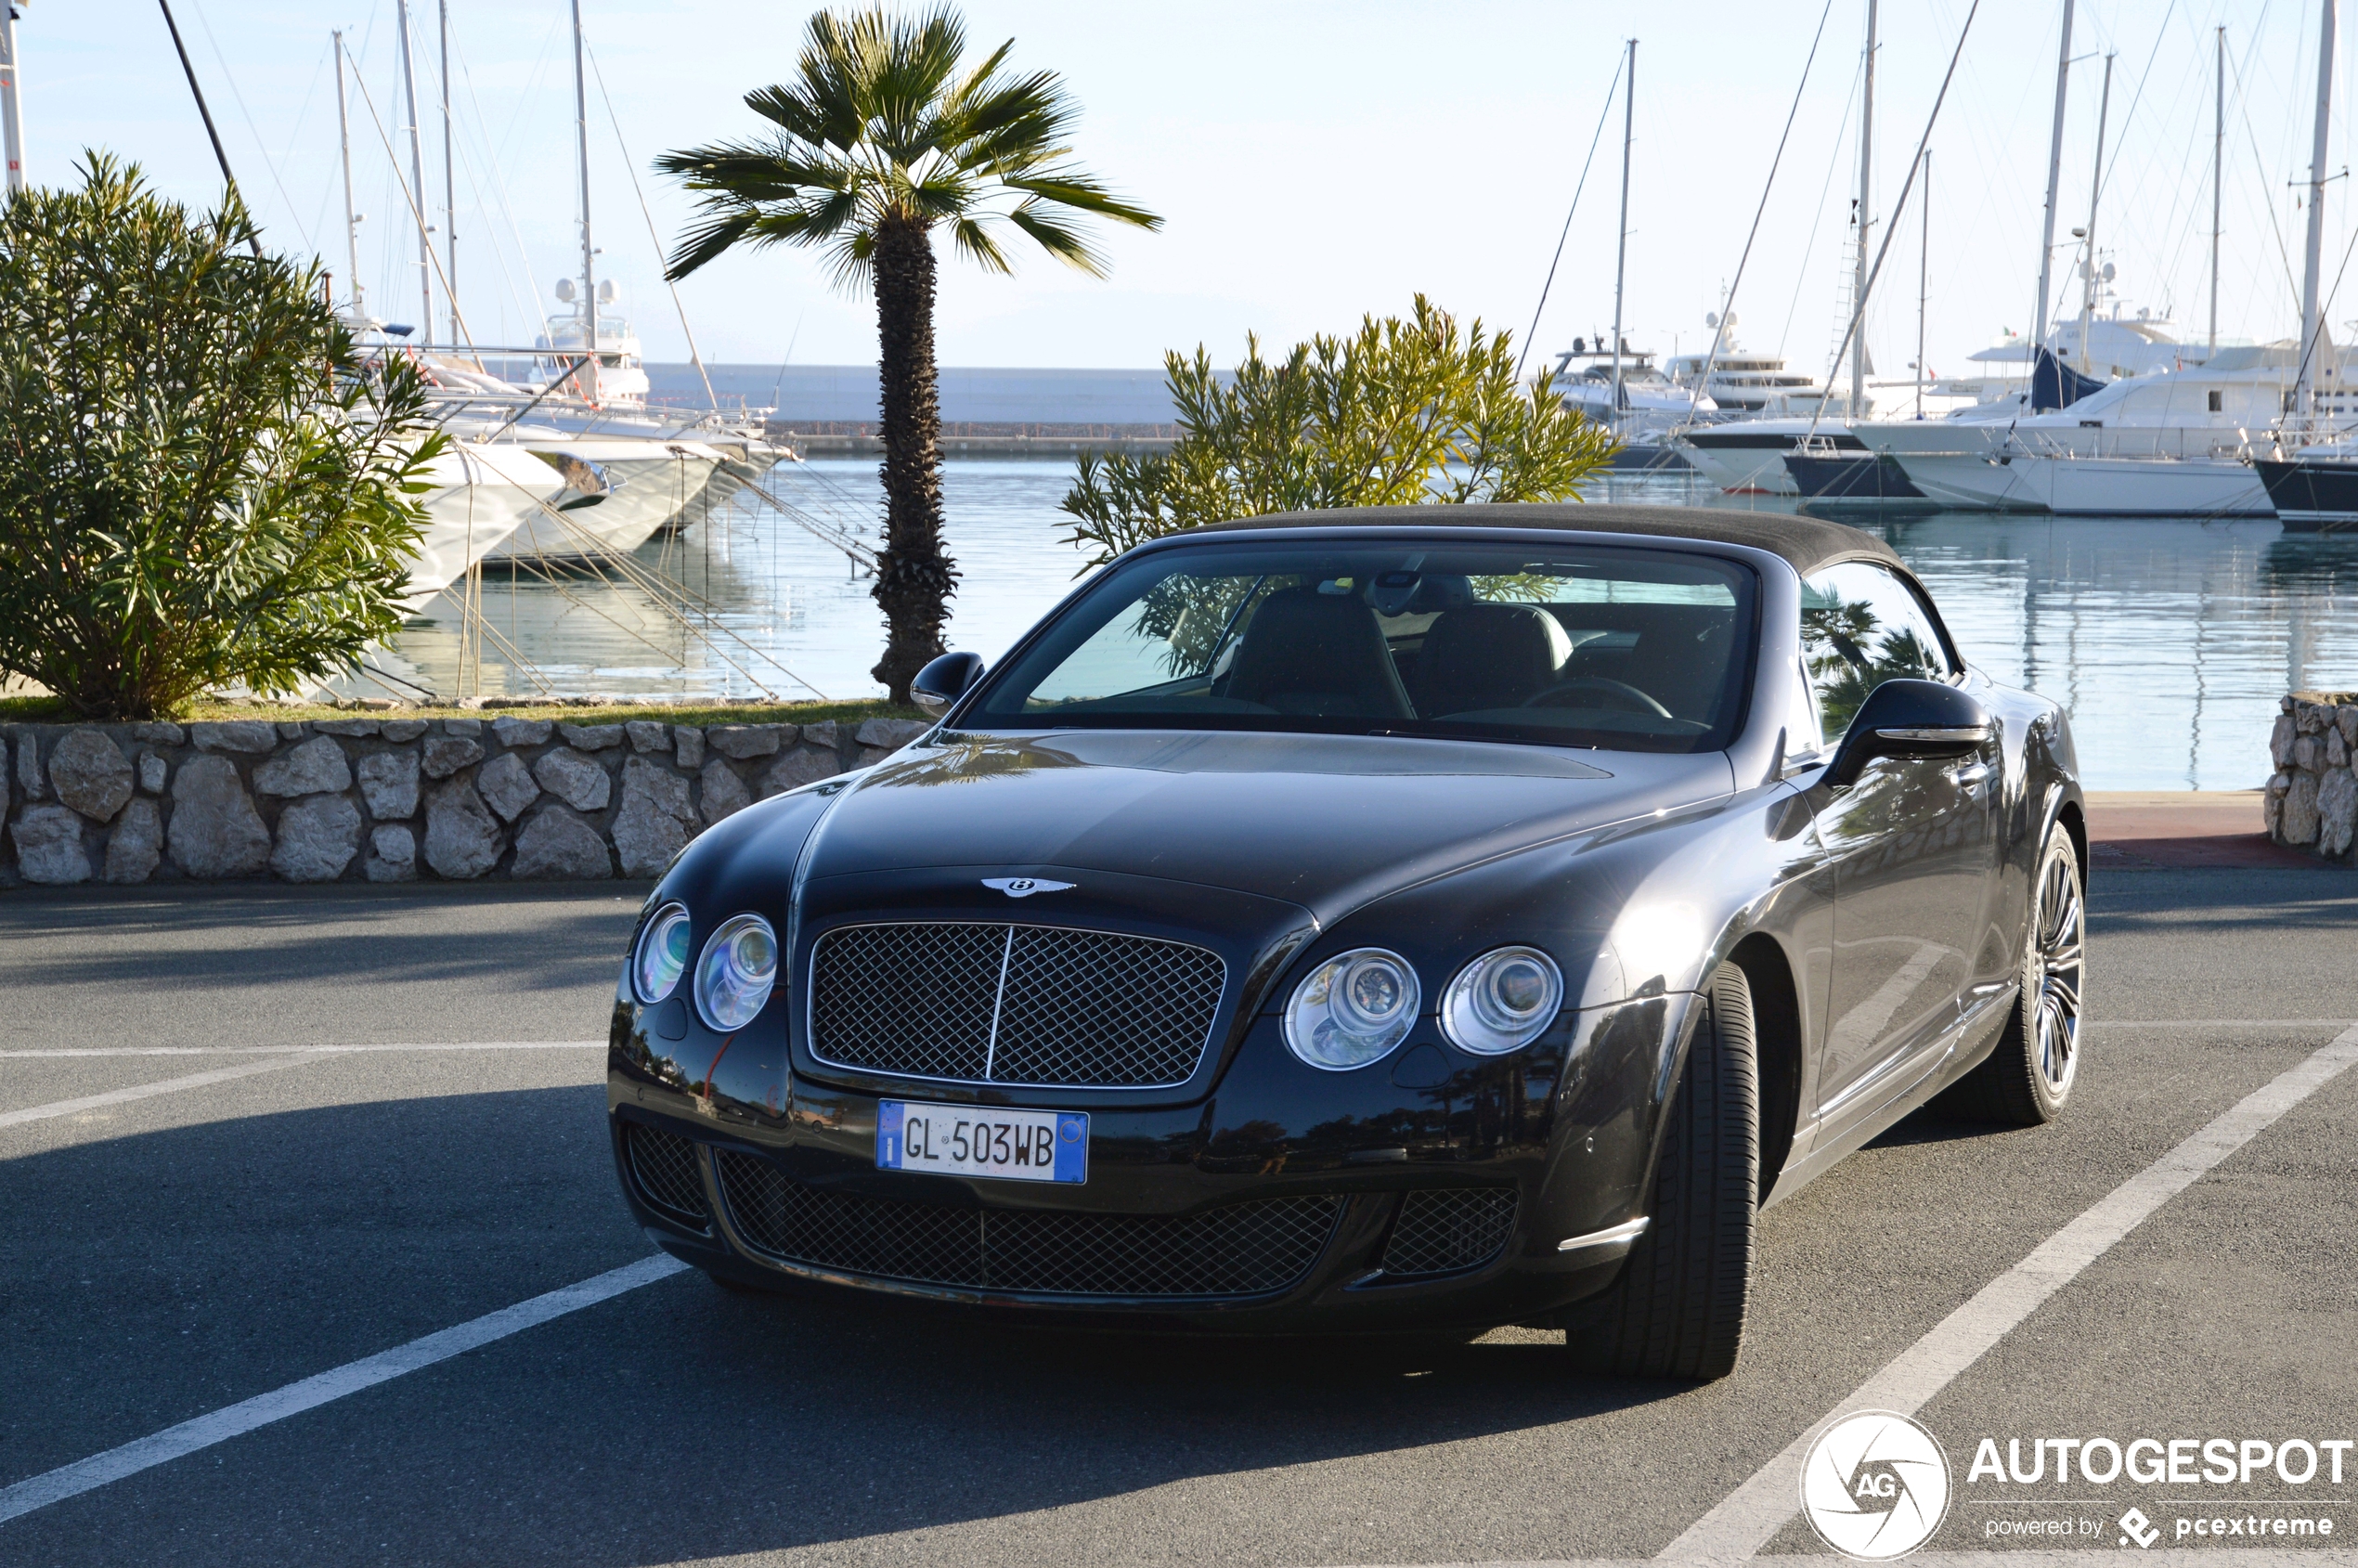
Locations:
column 914, row 579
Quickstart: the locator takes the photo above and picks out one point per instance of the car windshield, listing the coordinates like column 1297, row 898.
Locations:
column 1561, row 644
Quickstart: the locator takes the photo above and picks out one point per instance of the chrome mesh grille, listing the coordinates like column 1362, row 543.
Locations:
column 1237, row 1249
column 1445, row 1231
column 993, row 1002
column 664, row 1165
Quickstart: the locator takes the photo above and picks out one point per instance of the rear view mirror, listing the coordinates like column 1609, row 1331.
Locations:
column 1910, row 719
column 944, row 681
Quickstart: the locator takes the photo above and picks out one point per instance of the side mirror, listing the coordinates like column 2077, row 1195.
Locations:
column 1908, row 719
column 945, row 681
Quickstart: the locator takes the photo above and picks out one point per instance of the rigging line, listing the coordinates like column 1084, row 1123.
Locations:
column 2123, row 145
column 1603, row 115
column 495, row 154
column 475, row 186
column 1720, row 334
column 253, row 240
column 1784, row 334
column 653, row 238
column 268, row 163
column 795, row 338
column 2244, row 104
column 415, row 215
column 1891, row 224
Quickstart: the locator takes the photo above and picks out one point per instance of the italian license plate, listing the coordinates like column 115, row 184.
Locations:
column 1009, row 1146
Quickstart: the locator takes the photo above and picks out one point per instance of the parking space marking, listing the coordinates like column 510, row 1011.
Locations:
column 1743, row 1521
column 234, row 1420
column 298, row 1050
column 147, row 1091
column 2160, row 1557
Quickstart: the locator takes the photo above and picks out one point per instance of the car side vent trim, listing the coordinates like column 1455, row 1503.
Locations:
column 1449, row 1230
column 976, row 1001
column 663, row 1167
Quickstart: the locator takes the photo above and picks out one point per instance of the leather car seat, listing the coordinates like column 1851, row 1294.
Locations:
column 1321, row 655
column 1488, row 657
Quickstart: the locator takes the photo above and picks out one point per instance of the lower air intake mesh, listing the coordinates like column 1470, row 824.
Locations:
column 1443, row 1232
column 1238, row 1250
column 664, row 1164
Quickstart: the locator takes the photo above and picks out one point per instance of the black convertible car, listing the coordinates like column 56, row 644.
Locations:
column 1371, row 919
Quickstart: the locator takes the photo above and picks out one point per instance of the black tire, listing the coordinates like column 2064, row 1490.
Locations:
column 2026, row 1079
column 1677, row 1310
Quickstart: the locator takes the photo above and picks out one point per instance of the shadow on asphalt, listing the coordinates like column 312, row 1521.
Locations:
column 677, row 1422
column 237, row 939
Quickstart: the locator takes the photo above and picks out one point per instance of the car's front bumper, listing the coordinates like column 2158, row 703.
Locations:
column 1339, row 1192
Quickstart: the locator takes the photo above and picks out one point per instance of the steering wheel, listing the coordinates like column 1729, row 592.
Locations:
column 1616, row 694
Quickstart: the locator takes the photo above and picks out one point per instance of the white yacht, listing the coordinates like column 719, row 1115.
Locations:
column 2167, row 443
column 1650, row 405
column 481, row 492
column 617, row 492
column 619, row 378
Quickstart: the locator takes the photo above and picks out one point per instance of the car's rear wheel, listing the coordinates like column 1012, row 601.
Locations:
column 2028, row 1077
column 1677, row 1310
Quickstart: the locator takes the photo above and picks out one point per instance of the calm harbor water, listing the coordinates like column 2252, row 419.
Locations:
column 2169, row 641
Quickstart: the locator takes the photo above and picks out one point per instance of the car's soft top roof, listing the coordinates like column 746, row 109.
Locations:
column 1807, row 542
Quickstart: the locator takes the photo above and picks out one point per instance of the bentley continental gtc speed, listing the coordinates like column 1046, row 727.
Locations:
column 1404, row 917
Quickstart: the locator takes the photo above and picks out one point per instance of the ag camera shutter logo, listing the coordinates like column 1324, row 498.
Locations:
column 1875, row 1486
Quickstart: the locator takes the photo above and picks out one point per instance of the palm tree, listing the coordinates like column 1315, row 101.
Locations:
column 881, row 136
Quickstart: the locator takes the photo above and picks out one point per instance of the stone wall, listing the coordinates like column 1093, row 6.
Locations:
column 2313, row 798
column 393, row 800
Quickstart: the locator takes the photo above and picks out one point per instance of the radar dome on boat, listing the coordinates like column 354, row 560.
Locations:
column 565, row 291
column 607, row 292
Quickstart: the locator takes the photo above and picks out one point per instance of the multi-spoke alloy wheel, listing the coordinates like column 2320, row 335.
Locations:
column 2058, row 952
column 2029, row 1072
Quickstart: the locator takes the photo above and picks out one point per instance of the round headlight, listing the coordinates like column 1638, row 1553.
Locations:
column 1502, row 1000
column 662, row 954
column 1351, row 1009
column 733, row 977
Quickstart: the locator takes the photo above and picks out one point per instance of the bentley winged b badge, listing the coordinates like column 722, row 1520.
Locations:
column 1024, row 886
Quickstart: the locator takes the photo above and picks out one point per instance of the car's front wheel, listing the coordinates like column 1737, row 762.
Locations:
column 1677, row 1310
column 2028, row 1075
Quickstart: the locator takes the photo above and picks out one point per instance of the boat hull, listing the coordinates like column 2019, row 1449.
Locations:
column 2312, row 495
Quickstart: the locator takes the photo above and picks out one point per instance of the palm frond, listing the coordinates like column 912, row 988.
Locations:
column 1070, row 187
column 1059, row 239
column 974, row 241
column 707, row 241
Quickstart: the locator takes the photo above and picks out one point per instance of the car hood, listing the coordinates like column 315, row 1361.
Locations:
column 1323, row 821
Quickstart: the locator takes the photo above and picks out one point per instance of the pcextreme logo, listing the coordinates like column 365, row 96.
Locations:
column 1875, row 1486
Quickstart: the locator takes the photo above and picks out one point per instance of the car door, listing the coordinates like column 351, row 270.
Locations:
column 1909, row 844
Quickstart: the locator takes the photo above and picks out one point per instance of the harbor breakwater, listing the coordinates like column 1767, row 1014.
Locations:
column 394, row 799
column 2311, row 801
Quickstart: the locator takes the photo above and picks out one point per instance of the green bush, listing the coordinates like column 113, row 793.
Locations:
column 202, row 482
column 1401, row 412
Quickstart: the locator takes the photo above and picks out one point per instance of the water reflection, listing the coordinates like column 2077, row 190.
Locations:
column 2168, row 640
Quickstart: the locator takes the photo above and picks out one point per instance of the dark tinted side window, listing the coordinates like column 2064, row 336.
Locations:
column 1861, row 625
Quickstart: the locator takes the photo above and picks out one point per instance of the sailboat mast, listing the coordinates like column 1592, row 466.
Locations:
column 2218, row 171
column 351, row 218
column 11, row 107
column 1923, row 276
column 449, row 185
column 2313, row 312
column 2095, row 189
column 2055, row 180
column 588, row 280
column 1621, row 252
column 1866, row 194
column 417, row 181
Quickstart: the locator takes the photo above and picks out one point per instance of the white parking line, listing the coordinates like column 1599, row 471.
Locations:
column 146, row 1091
column 299, row 1050
column 2160, row 1556
column 171, row 1443
column 1744, row 1521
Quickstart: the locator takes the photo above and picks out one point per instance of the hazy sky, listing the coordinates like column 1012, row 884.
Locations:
column 1313, row 162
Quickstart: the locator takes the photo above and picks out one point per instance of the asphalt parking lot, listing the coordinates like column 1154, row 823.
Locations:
column 205, row 1210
